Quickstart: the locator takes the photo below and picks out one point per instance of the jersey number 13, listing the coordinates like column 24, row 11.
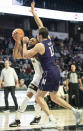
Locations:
column 51, row 50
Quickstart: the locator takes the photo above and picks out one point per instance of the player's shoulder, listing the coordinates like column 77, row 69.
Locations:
column 39, row 46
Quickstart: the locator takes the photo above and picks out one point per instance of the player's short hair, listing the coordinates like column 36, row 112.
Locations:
column 44, row 32
column 34, row 40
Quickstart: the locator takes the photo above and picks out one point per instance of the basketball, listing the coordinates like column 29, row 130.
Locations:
column 18, row 31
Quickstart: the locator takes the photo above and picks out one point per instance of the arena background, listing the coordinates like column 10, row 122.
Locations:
column 66, row 33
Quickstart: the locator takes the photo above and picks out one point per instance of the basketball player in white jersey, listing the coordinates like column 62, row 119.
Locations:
column 33, row 86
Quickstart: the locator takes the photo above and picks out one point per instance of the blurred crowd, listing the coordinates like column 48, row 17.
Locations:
column 68, row 52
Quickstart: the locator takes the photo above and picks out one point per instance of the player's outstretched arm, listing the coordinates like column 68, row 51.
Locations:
column 37, row 19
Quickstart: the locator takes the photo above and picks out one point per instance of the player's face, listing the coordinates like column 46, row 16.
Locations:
column 32, row 42
column 39, row 37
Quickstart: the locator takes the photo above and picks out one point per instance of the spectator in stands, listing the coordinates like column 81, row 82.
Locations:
column 9, row 79
column 29, row 69
column 82, row 83
column 64, row 75
column 10, row 46
column 22, row 69
column 57, row 54
column 72, row 84
column 22, row 84
column 1, row 64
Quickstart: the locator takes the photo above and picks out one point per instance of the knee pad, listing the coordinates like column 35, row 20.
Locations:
column 32, row 88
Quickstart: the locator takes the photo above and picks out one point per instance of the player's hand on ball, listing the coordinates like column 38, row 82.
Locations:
column 25, row 40
column 16, row 36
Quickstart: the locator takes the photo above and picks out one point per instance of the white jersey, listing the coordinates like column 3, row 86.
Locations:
column 38, row 71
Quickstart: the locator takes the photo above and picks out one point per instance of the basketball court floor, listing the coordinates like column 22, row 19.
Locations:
column 64, row 117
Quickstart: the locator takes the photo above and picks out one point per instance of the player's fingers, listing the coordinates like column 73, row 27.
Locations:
column 14, row 34
column 25, row 39
column 32, row 5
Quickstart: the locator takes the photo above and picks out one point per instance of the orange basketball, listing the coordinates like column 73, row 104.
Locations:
column 18, row 31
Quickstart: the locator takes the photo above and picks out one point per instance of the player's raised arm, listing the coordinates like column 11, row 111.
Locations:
column 37, row 19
